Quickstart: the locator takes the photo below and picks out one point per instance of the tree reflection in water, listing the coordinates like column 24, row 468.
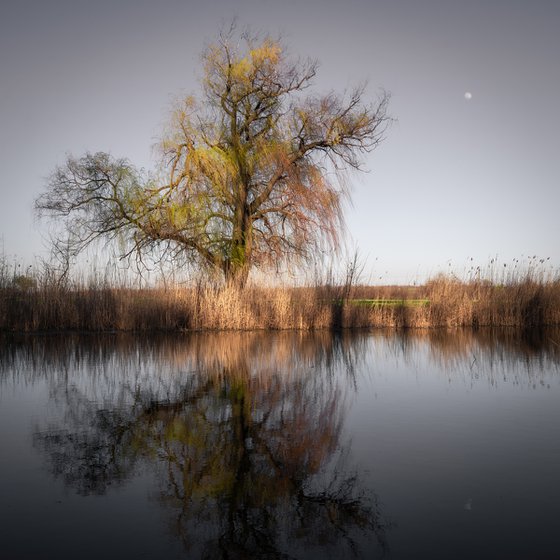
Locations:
column 245, row 436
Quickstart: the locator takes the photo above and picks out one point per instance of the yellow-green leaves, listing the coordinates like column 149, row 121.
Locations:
column 179, row 215
column 268, row 52
column 241, row 70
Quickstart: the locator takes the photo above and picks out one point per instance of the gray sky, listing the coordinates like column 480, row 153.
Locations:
column 456, row 178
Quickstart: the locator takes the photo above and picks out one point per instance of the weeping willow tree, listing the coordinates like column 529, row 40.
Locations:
column 251, row 175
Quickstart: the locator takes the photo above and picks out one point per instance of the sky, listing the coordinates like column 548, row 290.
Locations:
column 455, row 179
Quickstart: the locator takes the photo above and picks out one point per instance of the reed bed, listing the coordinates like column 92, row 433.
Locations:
column 450, row 303
column 39, row 304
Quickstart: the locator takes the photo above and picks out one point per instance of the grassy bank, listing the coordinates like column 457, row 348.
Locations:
column 31, row 306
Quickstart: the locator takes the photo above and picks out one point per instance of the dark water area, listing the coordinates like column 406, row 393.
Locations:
column 429, row 444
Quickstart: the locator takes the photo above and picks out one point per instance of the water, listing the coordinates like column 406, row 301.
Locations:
column 282, row 445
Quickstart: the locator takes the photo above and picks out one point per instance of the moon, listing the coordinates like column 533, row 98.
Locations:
column 468, row 95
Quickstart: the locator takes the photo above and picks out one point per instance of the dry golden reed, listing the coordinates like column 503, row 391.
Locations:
column 449, row 303
column 42, row 304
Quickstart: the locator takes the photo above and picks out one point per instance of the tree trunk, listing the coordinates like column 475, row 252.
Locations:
column 236, row 273
column 238, row 262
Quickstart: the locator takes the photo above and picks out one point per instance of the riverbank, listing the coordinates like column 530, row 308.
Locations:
column 441, row 302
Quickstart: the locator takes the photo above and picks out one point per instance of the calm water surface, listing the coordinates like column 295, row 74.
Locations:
column 287, row 445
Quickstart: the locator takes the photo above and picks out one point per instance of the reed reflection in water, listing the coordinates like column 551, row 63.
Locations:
column 284, row 445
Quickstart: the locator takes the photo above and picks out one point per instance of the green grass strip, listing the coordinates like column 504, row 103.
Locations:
column 390, row 302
